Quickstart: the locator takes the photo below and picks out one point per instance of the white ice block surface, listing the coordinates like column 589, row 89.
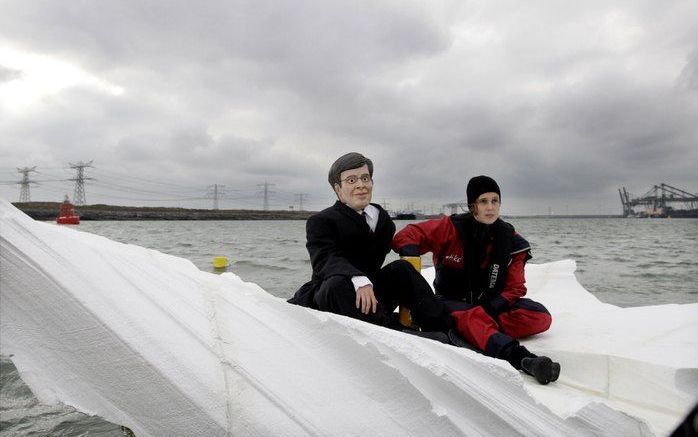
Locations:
column 149, row 341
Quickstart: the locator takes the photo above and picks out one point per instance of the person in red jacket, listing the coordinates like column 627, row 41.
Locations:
column 479, row 261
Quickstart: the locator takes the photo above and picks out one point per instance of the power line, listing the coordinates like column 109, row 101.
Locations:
column 112, row 185
column 52, row 188
column 175, row 189
column 125, row 188
column 147, row 181
column 123, row 192
column 141, row 199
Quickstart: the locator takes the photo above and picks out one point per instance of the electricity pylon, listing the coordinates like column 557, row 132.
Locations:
column 79, row 194
column 266, row 194
column 24, row 193
column 216, row 191
column 301, row 197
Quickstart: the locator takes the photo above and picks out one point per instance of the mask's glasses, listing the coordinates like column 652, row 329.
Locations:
column 353, row 179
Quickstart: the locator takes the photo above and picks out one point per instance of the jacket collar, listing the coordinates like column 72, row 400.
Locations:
column 358, row 218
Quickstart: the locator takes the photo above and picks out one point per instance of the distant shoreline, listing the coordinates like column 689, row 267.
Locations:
column 49, row 211
column 561, row 216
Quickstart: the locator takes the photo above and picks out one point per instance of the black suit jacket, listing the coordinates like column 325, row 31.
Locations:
column 340, row 243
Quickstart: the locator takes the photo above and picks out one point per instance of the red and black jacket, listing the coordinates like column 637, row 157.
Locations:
column 475, row 263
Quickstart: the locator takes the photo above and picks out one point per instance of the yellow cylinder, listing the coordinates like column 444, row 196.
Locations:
column 406, row 317
column 405, row 314
column 220, row 262
column 416, row 261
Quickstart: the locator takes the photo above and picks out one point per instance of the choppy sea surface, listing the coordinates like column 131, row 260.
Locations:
column 625, row 262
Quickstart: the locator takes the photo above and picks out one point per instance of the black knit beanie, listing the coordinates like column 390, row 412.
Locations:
column 480, row 185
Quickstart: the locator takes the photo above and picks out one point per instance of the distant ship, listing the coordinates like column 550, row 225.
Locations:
column 411, row 215
column 682, row 213
column 405, row 216
column 668, row 213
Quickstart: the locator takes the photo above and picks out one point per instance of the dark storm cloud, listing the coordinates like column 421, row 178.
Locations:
column 614, row 129
column 556, row 101
column 316, row 38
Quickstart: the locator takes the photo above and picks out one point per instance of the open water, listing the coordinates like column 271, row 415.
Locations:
column 626, row 262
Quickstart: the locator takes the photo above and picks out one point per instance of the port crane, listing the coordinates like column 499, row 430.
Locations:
column 658, row 202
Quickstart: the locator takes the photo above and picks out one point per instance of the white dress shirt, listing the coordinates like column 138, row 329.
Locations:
column 371, row 216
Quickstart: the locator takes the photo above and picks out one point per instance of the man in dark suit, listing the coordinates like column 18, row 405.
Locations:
column 347, row 243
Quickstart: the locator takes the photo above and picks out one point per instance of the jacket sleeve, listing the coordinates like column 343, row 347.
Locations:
column 326, row 256
column 515, row 285
column 420, row 238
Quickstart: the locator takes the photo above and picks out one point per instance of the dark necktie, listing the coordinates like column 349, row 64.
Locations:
column 365, row 216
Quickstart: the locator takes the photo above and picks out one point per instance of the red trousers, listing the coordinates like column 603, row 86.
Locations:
column 525, row 317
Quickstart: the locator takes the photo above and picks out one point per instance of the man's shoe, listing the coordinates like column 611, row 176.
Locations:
column 542, row 368
column 457, row 340
column 432, row 335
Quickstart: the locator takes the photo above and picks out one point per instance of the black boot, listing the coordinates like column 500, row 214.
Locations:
column 432, row 315
column 542, row 368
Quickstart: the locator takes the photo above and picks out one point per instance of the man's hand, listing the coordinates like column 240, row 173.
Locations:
column 366, row 299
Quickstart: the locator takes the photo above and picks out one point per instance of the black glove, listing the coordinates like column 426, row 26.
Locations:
column 495, row 306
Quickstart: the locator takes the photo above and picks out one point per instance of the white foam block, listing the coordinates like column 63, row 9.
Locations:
column 149, row 341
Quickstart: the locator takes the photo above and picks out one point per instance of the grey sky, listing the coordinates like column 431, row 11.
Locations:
column 561, row 102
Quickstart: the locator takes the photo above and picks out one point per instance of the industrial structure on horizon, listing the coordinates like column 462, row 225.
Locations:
column 659, row 202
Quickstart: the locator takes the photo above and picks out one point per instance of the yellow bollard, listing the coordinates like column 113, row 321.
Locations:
column 405, row 314
column 220, row 262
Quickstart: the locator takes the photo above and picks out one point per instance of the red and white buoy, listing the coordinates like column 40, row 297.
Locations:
column 67, row 216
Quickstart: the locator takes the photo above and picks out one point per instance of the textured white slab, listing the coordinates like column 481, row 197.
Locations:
column 149, row 341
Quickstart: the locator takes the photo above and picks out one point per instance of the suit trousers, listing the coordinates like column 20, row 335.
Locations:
column 397, row 283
